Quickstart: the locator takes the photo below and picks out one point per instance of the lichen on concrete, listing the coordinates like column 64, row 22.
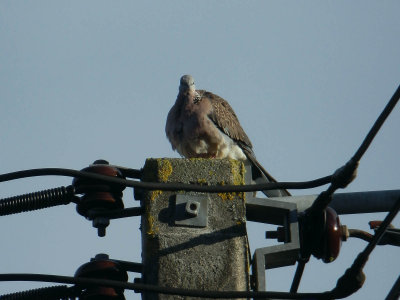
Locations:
column 165, row 169
column 151, row 229
column 154, row 194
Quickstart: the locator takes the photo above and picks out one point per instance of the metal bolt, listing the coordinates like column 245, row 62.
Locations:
column 279, row 234
column 101, row 256
column 192, row 208
column 101, row 162
column 137, row 280
column 344, row 232
column 101, row 224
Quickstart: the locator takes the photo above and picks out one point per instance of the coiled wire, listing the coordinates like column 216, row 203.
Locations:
column 37, row 200
column 59, row 292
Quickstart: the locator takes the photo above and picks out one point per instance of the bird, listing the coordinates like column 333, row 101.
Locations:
column 203, row 125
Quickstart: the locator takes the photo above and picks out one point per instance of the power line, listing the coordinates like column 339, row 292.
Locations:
column 164, row 186
column 139, row 287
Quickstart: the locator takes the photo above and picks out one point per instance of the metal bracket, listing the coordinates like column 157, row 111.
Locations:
column 274, row 211
column 191, row 211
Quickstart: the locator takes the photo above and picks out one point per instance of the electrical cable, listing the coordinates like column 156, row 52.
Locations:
column 297, row 276
column 360, row 234
column 37, row 200
column 164, row 186
column 116, row 213
column 48, row 293
column 391, row 236
column 394, row 293
column 377, row 125
column 140, row 287
column 381, row 229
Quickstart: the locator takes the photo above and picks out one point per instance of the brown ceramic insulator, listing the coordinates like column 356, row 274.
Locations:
column 99, row 201
column 98, row 195
column 332, row 236
column 101, row 169
column 102, row 269
column 106, row 269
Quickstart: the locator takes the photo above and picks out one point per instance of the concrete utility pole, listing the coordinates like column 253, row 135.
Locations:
column 195, row 240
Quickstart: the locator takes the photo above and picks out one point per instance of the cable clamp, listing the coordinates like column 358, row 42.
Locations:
column 345, row 174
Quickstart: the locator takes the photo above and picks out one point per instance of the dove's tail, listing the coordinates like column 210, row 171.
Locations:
column 260, row 175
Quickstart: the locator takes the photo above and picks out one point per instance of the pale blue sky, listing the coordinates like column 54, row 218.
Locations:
column 82, row 80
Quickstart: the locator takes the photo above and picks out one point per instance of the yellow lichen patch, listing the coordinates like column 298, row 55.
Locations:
column 154, row 194
column 231, row 196
column 242, row 195
column 151, row 228
column 238, row 171
column 202, row 181
column 248, row 260
column 165, row 169
column 227, row 196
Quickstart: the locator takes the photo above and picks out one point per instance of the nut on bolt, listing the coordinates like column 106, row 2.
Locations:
column 192, row 208
column 101, row 224
column 279, row 234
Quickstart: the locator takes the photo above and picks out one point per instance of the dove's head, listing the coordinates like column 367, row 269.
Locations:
column 186, row 83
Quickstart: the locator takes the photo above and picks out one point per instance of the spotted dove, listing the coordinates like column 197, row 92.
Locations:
column 202, row 124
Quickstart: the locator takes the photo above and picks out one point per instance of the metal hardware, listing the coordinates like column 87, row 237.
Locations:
column 104, row 268
column 99, row 197
column 281, row 213
column 191, row 210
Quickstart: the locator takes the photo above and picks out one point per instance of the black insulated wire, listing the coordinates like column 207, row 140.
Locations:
column 360, row 234
column 394, row 293
column 165, row 186
column 377, row 125
column 381, row 229
column 297, row 276
column 117, row 213
column 129, row 172
column 144, row 288
column 37, row 200
column 59, row 292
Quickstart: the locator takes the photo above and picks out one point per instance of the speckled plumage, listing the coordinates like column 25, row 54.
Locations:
column 202, row 124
